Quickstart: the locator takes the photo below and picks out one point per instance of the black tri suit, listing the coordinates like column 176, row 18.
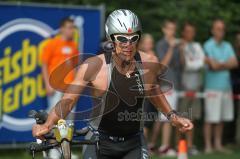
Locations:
column 120, row 124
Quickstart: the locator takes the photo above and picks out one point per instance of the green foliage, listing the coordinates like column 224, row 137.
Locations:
column 153, row 12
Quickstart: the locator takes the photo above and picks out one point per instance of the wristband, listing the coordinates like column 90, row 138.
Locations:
column 169, row 114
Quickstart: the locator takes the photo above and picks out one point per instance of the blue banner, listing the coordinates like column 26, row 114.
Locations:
column 23, row 29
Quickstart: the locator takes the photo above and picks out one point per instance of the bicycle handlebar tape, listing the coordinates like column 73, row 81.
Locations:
column 39, row 116
column 32, row 113
column 35, row 147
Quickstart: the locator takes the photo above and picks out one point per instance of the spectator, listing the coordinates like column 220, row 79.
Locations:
column 147, row 45
column 169, row 55
column 237, row 44
column 236, row 71
column 236, row 86
column 218, row 103
column 56, row 51
column 191, row 77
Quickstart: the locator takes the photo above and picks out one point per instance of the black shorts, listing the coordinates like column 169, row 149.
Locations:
column 133, row 148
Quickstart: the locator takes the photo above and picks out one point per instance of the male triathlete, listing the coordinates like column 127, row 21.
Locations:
column 125, row 73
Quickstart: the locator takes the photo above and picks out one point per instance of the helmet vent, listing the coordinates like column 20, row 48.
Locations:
column 125, row 26
column 119, row 22
column 124, row 12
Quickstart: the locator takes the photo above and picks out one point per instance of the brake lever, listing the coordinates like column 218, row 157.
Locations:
column 96, row 135
column 81, row 132
column 95, row 132
column 40, row 118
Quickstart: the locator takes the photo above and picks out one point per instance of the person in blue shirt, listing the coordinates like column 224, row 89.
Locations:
column 220, row 58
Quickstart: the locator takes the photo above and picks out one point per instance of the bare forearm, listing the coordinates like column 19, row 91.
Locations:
column 52, row 118
column 217, row 66
column 61, row 109
column 161, row 103
column 45, row 75
column 230, row 64
column 182, row 57
column 166, row 59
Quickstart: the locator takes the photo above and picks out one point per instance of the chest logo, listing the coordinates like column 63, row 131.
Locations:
column 139, row 84
column 66, row 50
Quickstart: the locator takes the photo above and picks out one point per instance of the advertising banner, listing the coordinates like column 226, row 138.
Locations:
column 23, row 32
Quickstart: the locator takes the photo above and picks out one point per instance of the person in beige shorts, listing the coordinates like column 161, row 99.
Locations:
column 218, row 106
column 220, row 58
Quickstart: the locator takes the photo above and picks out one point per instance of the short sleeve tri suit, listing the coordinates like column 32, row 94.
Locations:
column 120, row 123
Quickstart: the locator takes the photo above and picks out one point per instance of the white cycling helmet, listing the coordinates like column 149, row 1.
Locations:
column 122, row 21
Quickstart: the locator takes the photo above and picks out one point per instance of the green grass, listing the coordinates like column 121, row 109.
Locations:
column 235, row 155
column 22, row 154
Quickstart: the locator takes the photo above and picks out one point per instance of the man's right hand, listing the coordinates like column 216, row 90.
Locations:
column 39, row 130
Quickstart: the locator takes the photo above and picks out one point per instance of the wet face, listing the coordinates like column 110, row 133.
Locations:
column 126, row 45
column 188, row 33
column 169, row 29
column 218, row 30
column 67, row 30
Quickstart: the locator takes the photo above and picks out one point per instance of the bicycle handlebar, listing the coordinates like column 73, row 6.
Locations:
column 35, row 147
column 85, row 142
column 41, row 117
column 81, row 132
column 43, row 146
